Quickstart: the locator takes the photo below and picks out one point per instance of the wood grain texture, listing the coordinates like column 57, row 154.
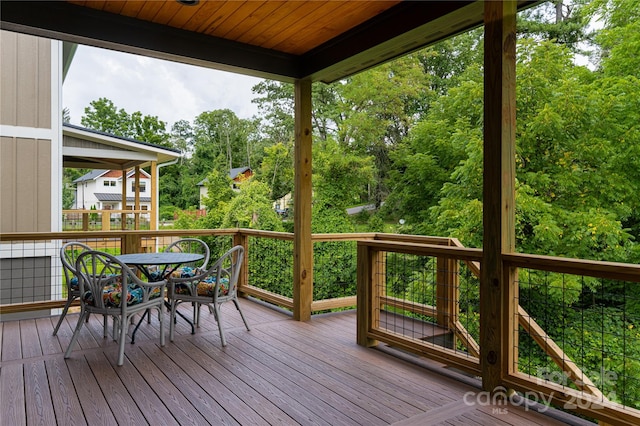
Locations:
column 281, row 372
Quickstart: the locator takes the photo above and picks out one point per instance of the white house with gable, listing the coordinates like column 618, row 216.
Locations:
column 102, row 189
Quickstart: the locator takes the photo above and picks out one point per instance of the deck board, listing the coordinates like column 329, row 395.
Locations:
column 281, row 372
column 63, row 395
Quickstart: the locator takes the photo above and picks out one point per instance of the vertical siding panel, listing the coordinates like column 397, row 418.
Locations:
column 42, row 192
column 7, row 188
column 26, row 80
column 44, row 84
column 8, row 73
column 24, row 179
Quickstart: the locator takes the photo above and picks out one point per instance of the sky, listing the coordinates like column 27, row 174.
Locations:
column 168, row 90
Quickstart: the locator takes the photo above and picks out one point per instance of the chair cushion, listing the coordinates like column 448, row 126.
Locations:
column 206, row 287
column 73, row 284
column 183, row 272
column 112, row 295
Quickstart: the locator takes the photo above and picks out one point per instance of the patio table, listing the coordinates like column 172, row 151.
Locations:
column 169, row 262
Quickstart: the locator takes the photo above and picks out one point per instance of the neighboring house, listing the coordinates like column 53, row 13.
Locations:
column 237, row 175
column 102, row 190
column 282, row 205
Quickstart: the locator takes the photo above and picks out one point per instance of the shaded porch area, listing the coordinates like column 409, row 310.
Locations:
column 281, row 372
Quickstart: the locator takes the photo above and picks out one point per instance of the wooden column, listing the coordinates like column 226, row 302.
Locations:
column 136, row 195
column 302, row 245
column 123, row 215
column 155, row 203
column 497, row 286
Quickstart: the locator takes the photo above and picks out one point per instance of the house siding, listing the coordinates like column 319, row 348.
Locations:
column 25, row 80
column 27, row 136
column 25, row 189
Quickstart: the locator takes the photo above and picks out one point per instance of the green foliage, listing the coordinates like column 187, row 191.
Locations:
column 277, row 170
column 340, row 177
column 168, row 212
column 104, row 116
column 375, row 223
column 218, row 190
column 221, row 141
column 251, row 208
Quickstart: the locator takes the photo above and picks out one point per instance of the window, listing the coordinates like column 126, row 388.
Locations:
column 143, row 186
column 109, row 182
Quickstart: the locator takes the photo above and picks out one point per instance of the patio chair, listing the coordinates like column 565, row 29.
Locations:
column 68, row 255
column 186, row 245
column 120, row 295
column 213, row 287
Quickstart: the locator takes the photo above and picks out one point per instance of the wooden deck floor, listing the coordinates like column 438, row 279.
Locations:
column 282, row 372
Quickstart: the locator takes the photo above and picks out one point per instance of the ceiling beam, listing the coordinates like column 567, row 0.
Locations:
column 403, row 28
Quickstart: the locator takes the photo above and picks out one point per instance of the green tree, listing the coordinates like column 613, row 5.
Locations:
column 104, row 116
column 339, row 177
column 252, row 208
column 277, row 170
column 217, row 203
column 561, row 21
column 382, row 105
column 222, row 141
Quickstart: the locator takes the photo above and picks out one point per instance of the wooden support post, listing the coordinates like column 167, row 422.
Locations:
column 123, row 215
column 136, row 194
column 155, row 203
column 302, row 244
column 497, row 285
column 85, row 221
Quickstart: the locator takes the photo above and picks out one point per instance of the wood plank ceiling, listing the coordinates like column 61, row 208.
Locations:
column 293, row 27
column 282, row 40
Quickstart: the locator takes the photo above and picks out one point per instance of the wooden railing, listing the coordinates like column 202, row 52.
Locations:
column 132, row 241
column 87, row 220
column 377, row 305
column 581, row 395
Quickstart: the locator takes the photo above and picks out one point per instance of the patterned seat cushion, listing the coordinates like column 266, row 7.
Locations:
column 73, row 284
column 112, row 295
column 205, row 288
column 183, row 272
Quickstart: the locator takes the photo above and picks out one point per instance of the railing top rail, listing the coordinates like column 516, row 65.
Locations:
column 270, row 234
column 29, row 236
column 469, row 254
column 114, row 211
column 592, row 268
column 344, row 237
column 420, row 239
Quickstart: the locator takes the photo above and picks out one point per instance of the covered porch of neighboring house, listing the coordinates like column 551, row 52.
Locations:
column 125, row 159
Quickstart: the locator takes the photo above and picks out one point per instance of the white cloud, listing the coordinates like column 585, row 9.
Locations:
column 170, row 91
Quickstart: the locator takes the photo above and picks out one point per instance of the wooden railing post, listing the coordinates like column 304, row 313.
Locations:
column 368, row 309
column 131, row 243
column 85, row 221
column 447, row 293
column 241, row 239
column 106, row 221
